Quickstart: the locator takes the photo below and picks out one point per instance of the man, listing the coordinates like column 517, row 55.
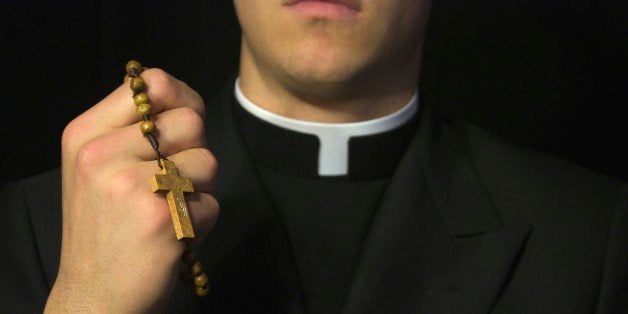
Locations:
column 340, row 191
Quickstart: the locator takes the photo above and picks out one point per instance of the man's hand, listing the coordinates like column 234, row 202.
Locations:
column 119, row 251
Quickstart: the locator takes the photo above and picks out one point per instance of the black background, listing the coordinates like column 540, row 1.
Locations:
column 544, row 74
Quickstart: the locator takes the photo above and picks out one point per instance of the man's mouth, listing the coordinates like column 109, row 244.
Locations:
column 332, row 9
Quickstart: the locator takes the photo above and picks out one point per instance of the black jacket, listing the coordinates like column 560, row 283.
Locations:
column 468, row 224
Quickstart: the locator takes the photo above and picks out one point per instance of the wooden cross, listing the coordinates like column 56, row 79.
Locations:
column 170, row 183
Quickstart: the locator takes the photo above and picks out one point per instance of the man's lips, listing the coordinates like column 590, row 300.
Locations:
column 351, row 4
column 337, row 9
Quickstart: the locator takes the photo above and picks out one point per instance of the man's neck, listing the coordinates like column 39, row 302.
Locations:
column 327, row 104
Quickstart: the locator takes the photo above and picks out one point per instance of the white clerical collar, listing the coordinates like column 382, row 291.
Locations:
column 333, row 155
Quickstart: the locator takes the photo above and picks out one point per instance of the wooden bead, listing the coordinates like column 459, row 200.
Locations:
column 196, row 268
column 133, row 66
column 201, row 280
column 147, row 127
column 143, row 110
column 141, row 98
column 138, row 85
column 202, row 291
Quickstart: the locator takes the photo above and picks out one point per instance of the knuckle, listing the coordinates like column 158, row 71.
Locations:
column 205, row 216
column 71, row 134
column 215, row 206
column 209, row 161
column 121, row 185
column 197, row 101
column 90, row 157
column 161, row 85
column 214, row 213
column 191, row 120
column 200, row 102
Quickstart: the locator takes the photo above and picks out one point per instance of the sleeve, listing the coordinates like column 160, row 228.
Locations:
column 613, row 297
column 23, row 285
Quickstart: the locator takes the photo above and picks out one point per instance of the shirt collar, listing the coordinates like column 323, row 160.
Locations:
column 333, row 154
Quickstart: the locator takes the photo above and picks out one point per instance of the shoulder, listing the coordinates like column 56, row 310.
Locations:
column 30, row 241
column 39, row 196
column 41, row 205
column 578, row 221
column 525, row 183
column 42, row 196
column 48, row 184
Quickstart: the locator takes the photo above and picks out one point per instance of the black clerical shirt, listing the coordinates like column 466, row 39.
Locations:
column 326, row 218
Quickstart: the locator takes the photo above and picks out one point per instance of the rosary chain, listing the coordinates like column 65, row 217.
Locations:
column 134, row 70
column 191, row 272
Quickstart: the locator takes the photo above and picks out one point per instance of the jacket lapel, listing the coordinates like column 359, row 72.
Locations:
column 437, row 244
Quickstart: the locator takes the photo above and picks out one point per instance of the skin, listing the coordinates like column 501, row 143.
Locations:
column 331, row 70
column 119, row 253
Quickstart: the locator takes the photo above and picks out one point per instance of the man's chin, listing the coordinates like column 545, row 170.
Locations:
column 323, row 87
column 324, row 73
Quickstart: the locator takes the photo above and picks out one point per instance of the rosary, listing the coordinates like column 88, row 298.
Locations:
column 170, row 183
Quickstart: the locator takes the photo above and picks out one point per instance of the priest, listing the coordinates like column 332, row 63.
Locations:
column 340, row 191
